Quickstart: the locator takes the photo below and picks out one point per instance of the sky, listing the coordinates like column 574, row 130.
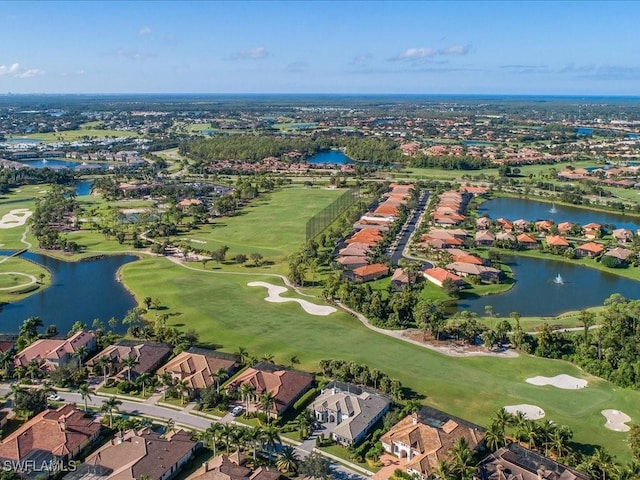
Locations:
column 366, row 47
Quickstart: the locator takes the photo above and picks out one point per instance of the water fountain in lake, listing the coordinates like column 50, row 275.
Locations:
column 553, row 208
column 558, row 280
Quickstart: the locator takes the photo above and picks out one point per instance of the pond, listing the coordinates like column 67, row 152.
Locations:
column 83, row 188
column 80, row 291
column 329, row 157
column 53, row 163
column 537, row 293
column 532, row 210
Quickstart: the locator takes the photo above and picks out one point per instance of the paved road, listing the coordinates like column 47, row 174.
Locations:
column 187, row 419
column 397, row 250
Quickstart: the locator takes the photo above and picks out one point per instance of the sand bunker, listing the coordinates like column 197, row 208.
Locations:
column 193, row 240
column 616, row 420
column 15, row 218
column 566, row 382
column 532, row 412
column 274, row 296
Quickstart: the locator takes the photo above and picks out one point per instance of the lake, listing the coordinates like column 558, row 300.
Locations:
column 80, row 291
column 536, row 294
column 44, row 163
column 83, row 188
column 532, row 210
column 329, row 157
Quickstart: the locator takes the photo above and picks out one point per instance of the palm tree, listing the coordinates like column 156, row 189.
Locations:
column 271, row 438
column 288, row 461
column 214, row 432
column 129, row 363
column 227, row 433
column 33, row 369
column 494, row 438
column 103, row 362
column 242, row 354
column 219, row 376
column 167, row 381
column 255, row 437
column 182, row 387
column 246, row 389
column 79, row 354
column 502, row 418
column 444, row 471
column 143, row 379
column 85, row 392
column 462, row 463
column 267, row 401
column 109, row 406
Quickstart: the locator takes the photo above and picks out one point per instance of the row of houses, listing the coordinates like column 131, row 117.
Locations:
column 353, row 257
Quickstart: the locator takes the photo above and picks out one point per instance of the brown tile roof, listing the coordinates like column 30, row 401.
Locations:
column 143, row 453
column 53, row 349
column 59, row 432
column 431, row 434
column 284, row 384
column 148, row 355
column 524, row 238
column 373, row 269
column 591, row 247
column 198, row 366
column 440, row 274
column 619, row 253
column 556, row 241
column 473, row 259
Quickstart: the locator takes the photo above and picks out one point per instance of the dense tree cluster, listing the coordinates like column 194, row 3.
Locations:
column 450, row 162
column 361, row 375
column 55, row 212
column 251, row 148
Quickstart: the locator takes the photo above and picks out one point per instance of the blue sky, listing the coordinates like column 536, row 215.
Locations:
column 501, row 47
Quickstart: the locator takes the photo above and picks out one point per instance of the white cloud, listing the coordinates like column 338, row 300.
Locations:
column 32, row 72
column 144, row 30
column 455, row 50
column 251, row 54
column 417, row 53
column 15, row 71
column 10, row 70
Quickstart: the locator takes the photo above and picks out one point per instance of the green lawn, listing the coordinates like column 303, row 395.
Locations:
column 87, row 130
column 273, row 224
column 227, row 313
column 13, row 282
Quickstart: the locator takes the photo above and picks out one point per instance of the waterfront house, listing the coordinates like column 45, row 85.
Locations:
column 589, row 250
column 485, row 238
column 439, row 275
column 486, row 274
column 148, row 357
column 52, row 353
column 622, row 254
column 556, row 241
column 526, row 241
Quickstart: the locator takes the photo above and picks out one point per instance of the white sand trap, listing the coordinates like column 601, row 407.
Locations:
column 193, row 240
column 274, row 296
column 15, row 218
column 566, row 382
column 532, row 412
column 616, row 420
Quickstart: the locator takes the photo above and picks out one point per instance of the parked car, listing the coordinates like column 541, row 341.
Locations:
column 55, row 397
column 237, row 411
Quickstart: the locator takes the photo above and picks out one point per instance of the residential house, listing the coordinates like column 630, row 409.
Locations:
column 232, row 467
column 147, row 355
column 54, row 436
column 484, row 237
column 468, row 258
column 505, row 237
column 439, row 275
column 544, row 225
column 355, row 249
column 505, row 225
column 351, row 262
column 284, row 384
column 521, row 225
column 133, row 455
column 483, row 223
column 556, row 241
column 425, row 438
column 52, row 353
column 592, row 230
column 348, row 412
column 400, row 278
column 516, row 462
column 590, row 250
column 199, row 367
column 622, row 254
column 368, row 273
column 526, row 241
column 487, row 274
column 622, row 235
column 565, row 227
